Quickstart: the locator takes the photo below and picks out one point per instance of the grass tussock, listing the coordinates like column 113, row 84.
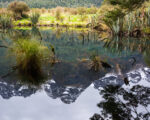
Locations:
column 5, row 21
column 95, row 63
column 58, row 15
column 30, row 54
column 34, row 18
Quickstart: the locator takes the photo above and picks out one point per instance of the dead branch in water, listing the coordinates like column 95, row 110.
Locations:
column 9, row 73
column 3, row 46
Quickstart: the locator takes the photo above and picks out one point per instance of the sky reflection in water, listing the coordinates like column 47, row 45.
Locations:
column 40, row 106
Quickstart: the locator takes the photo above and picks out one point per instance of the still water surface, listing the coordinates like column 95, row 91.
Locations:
column 71, row 91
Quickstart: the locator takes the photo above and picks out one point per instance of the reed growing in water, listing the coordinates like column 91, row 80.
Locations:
column 34, row 18
column 5, row 21
column 30, row 54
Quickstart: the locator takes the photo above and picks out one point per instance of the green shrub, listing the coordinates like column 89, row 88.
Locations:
column 18, row 8
column 114, row 20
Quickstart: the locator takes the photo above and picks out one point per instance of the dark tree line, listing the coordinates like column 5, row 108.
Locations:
column 55, row 3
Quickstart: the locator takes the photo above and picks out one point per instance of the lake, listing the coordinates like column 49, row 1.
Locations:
column 70, row 89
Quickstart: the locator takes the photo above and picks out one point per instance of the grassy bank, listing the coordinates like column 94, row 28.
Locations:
column 59, row 16
column 109, row 18
column 47, row 19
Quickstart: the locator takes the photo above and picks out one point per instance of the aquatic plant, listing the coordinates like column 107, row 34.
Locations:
column 34, row 18
column 96, row 63
column 5, row 21
column 30, row 54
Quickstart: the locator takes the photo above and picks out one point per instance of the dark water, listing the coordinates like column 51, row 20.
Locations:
column 70, row 90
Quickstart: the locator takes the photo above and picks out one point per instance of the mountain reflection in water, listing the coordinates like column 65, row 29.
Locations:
column 69, row 78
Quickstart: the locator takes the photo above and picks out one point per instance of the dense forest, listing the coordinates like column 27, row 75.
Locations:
column 54, row 3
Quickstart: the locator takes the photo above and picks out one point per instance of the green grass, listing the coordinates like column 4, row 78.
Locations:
column 146, row 30
column 51, row 28
column 47, row 19
column 22, row 22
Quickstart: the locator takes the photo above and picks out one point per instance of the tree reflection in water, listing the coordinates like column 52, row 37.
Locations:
column 126, row 46
column 124, row 104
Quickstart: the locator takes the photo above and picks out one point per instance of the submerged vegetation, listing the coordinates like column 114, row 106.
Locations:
column 96, row 63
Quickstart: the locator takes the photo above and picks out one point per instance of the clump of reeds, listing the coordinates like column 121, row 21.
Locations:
column 95, row 63
column 98, row 64
column 29, row 57
column 34, row 18
column 5, row 21
column 58, row 14
column 116, row 27
column 73, row 11
column 43, row 10
column 92, row 10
